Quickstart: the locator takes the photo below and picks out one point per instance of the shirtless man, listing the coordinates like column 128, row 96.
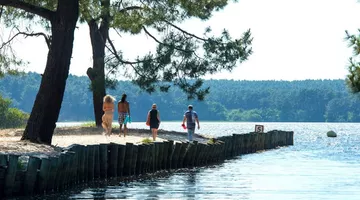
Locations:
column 123, row 111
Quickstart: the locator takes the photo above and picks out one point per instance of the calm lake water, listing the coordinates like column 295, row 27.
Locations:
column 316, row 167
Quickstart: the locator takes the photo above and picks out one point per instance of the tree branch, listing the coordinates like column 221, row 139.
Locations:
column 114, row 52
column 158, row 41
column 185, row 32
column 47, row 40
column 130, row 8
column 37, row 10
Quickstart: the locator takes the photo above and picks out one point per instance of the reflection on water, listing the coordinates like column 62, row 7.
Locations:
column 316, row 167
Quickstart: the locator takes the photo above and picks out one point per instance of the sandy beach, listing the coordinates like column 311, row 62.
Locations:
column 66, row 136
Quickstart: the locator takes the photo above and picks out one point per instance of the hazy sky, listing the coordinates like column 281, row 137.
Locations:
column 293, row 39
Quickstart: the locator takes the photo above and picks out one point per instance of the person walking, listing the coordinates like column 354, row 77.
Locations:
column 190, row 117
column 154, row 119
column 107, row 118
column 123, row 112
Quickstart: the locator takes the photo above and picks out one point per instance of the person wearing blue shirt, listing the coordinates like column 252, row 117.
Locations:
column 191, row 117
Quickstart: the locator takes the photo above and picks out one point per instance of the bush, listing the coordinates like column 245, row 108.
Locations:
column 11, row 117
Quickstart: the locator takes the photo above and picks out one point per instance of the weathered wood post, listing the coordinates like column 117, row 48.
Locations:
column 198, row 154
column 157, row 153
column 3, row 168
column 165, row 155
column 121, row 159
column 193, row 154
column 103, row 160
column 140, row 159
column 170, row 153
column 97, row 170
column 31, row 175
column 146, row 159
column 184, row 146
column 51, row 183
column 161, row 156
column 187, row 155
column 113, row 160
column 10, row 175
column 91, row 162
column 152, row 157
column 134, row 159
column 43, row 176
column 128, row 159
column 176, row 154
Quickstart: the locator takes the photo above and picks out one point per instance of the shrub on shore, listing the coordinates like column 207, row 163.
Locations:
column 11, row 117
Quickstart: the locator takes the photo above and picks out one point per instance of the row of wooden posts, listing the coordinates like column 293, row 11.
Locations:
column 79, row 164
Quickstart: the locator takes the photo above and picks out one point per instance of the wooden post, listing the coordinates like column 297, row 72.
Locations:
column 165, row 155
column 86, row 164
column 121, row 159
column 59, row 172
column 83, row 163
column 198, row 154
column 3, row 168
column 152, row 157
column 103, row 160
column 291, row 138
column 51, row 183
column 10, row 175
column 97, row 171
column 44, row 174
column 170, row 152
column 146, row 163
column 134, row 159
column 140, row 159
column 193, row 154
column 161, row 156
column 128, row 159
column 157, row 152
column 113, row 160
column 31, row 175
column 233, row 145
column 176, row 154
column 91, row 162
column 184, row 146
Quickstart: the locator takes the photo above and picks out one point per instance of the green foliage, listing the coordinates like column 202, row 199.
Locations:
column 263, row 101
column 180, row 55
column 11, row 117
column 353, row 78
column 211, row 141
column 146, row 141
column 88, row 124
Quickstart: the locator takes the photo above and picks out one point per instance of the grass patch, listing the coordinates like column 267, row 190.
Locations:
column 89, row 124
column 93, row 125
column 211, row 141
column 146, row 141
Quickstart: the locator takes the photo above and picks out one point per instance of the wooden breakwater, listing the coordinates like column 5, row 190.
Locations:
column 79, row 164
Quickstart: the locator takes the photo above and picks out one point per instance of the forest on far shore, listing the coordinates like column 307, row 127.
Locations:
column 229, row 100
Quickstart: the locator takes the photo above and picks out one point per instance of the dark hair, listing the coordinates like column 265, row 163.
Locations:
column 190, row 107
column 123, row 98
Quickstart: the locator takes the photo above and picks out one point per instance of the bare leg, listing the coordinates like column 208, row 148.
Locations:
column 110, row 129
column 125, row 130
column 156, row 131
column 120, row 130
column 153, row 134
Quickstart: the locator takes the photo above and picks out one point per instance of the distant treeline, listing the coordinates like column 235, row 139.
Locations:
column 229, row 100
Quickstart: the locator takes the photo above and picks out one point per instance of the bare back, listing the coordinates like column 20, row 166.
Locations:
column 123, row 107
column 108, row 107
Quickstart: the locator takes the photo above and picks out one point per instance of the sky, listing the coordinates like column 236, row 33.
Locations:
column 293, row 40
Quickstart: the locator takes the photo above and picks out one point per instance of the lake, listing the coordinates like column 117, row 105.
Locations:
column 316, row 167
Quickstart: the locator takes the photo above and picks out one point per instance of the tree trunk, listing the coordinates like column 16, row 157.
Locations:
column 45, row 112
column 96, row 74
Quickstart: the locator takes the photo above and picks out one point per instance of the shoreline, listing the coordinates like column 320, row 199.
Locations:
column 63, row 137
